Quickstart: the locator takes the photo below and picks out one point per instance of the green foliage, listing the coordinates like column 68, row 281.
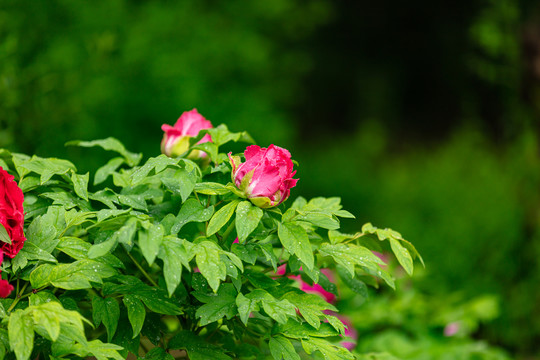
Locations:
column 148, row 252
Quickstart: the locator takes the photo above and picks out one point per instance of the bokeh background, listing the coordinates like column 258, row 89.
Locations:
column 423, row 116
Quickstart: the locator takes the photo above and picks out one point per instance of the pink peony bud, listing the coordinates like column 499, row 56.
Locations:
column 176, row 138
column 266, row 176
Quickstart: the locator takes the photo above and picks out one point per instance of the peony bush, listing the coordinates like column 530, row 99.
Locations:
column 196, row 253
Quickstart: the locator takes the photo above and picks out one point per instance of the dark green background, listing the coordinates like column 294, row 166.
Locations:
column 423, row 116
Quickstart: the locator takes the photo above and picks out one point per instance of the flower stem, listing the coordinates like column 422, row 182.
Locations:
column 17, row 298
column 146, row 275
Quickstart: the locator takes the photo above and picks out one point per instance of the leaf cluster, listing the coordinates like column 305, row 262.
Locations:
column 170, row 260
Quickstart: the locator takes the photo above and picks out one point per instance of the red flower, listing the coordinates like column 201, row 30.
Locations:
column 12, row 219
column 5, row 288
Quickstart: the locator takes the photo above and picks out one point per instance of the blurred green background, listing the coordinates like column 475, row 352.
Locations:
column 423, row 116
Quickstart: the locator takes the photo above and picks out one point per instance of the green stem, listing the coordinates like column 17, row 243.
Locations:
column 228, row 231
column 142, row 270
column 16, row 300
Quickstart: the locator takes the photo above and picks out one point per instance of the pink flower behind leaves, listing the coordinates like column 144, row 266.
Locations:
column 318, row 289
column 350, row 332
column 12, row 219
column 451, row 329
column 176, row 138
column 311, row 289
column 266, row 176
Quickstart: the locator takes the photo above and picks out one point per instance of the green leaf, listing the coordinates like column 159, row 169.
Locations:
column 67, row 200
column 31, row 252
column 247, row 219
column 344, row 214
column 207, row 257
column 337, row 237
column 96, row 348
column 328, row 350
column 246, row 307
column 321, row 219
column 80, row 184
column 106, row 196
column 4, row 236
column 336, row 323
column 19, row 262
column 192, row 211
column 21, row 334
column 268, row 252
column 57, row 321
column 134, row 201
column 221, row 217
column 74, row 217
column 155, row 299
column 295, row 330
column 103, row 248
column 295, row 240
column 282, row 348
column 278, row 310
column 375, row 270
column 76, row 275
column 311, row 306
column 105, row 214
column 47, row 167
column 150, row 241
column 221, row 135
column 350, row 255
column 210, row 148
column 216, row 306
column 211, row 188
column 197, row 347
column 158, row 163
column 41, row 297
column 107, row 311
column 354, row 284
column 246, row 252
column 74, row 247
column 110, row 144
column 181, row 182
column 173, row 253
column 106, row 170
column 3, row 313
column 136, row 313
column 127, row 232
column 43, row 230
column 48, row 320
column 402, row 255
column 158, row 353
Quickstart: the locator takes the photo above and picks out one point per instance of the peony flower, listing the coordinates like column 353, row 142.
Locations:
column 12, row 219
column 176, row 138
column 318, row 289
column 5, row 288
column 451, row 329
column 350, row 333
column 266, row 175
